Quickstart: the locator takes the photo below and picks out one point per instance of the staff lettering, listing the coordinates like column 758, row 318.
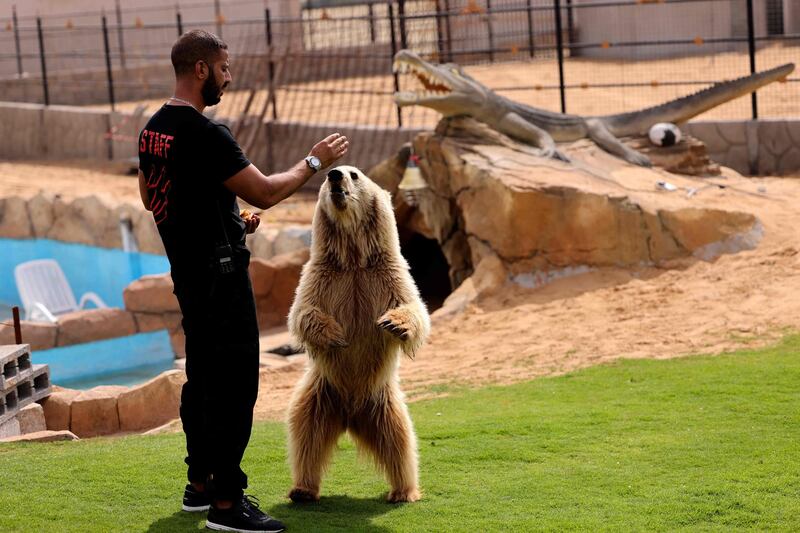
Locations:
column 155, row 143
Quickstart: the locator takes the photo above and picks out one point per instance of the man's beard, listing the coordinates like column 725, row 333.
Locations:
column 211, row 91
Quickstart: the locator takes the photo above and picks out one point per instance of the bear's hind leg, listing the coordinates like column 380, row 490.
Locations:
column 314, row 428
column 385, row 429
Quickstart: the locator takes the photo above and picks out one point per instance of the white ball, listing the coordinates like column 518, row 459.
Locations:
column 665, row 134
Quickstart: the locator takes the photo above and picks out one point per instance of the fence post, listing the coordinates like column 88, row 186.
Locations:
column 439, row 32
column 401, row 14
column 531, row 41
column 489, row 31
column 371, row 15
column 218, row 18
column 447, row 26
column 560, row 53
column 17, row 327
column 16, row 39
column 43, row 61
column 119, row 35
column 179, row 22
column 394, row 51
column 109, row 71
column 271, row 64
column 751, row 44
column 570, row 23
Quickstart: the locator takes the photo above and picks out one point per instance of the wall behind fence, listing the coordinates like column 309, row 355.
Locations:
column 625, row 53
column 32, row 131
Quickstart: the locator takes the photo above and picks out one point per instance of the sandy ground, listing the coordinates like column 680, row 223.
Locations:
column 744, row 300
column 533, row 82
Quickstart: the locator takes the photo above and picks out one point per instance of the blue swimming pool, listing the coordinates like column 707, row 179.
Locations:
column 121, row 361
column 104, row 271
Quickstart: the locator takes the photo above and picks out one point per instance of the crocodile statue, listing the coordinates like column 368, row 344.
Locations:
column 451, row 92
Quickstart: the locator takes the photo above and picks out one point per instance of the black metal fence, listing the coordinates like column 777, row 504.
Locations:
column 333, row 64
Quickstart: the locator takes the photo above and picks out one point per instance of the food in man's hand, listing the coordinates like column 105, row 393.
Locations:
column 246, row 215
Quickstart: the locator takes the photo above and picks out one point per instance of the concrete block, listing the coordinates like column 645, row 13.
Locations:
column 9, row 365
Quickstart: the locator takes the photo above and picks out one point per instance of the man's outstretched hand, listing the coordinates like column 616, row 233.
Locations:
column 330, row 149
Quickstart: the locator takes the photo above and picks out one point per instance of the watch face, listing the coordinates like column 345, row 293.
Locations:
column 315, row 162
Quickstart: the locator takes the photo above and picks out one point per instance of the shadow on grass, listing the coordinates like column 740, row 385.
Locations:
column 180, row 521
column 334, row 513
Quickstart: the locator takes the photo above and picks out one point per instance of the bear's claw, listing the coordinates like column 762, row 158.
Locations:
column 398, row 331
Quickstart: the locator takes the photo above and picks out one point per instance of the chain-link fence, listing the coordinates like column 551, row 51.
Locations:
column 332, row 63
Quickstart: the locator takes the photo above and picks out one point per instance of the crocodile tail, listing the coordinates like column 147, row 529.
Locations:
column 686, row 107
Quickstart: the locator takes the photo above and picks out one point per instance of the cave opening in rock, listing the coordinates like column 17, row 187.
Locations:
column 429, row 268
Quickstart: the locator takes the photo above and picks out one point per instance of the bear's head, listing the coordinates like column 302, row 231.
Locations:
column 354, row 222
column 348, row 196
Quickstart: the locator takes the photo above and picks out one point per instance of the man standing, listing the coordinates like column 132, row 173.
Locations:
column 190, row 172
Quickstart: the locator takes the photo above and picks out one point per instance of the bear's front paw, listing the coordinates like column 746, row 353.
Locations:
column 397, row 323
column 334, row 334
column 298, row 495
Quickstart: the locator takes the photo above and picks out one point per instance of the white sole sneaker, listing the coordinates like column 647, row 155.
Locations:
column 220, row 527
column 199, row 509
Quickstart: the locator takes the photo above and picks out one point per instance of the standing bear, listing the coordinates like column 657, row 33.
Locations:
column 356, row 309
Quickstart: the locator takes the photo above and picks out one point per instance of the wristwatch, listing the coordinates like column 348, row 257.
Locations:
column 313, row 163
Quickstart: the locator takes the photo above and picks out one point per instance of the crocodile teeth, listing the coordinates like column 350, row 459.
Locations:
column 400, row 67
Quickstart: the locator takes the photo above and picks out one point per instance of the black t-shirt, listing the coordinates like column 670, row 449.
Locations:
column 185, row 158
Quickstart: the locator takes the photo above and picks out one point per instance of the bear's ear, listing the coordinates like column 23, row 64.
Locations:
column 353, row 174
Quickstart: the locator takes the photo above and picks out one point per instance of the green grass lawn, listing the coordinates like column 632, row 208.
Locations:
column 701, row 443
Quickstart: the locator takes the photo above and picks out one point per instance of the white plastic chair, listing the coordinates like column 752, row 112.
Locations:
column 45, row 292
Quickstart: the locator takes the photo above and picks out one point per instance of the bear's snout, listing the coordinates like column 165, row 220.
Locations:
column 335, row 176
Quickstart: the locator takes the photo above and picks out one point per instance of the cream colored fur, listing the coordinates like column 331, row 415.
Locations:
column 356, row 310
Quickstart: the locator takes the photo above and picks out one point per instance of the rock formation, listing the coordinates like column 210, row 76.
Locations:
column 493, row 199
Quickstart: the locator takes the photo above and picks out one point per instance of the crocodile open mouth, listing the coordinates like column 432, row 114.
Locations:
column 431, row 84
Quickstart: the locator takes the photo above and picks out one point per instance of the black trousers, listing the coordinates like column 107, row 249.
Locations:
column 222, row 361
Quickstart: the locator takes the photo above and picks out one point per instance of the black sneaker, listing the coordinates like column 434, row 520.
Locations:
column 194, row 501
column 245, row 517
